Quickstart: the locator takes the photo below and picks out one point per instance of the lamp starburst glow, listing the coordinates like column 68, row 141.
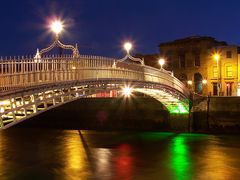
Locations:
column 161, row 62
column 127, row 91
column 57, row 27
column 204, row 81
column 189, row 82
column 128, row 46
column 216, row 56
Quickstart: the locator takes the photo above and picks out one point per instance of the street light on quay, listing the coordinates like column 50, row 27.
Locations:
column 204, row 81
column 217, row 57
column 189, row 82
column 161, row 62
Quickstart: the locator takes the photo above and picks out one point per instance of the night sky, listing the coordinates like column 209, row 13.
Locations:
column 101, row 26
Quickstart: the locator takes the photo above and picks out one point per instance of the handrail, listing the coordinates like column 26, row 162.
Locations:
column 26, row 71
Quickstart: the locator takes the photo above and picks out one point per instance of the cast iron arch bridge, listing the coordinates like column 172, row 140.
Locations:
column 32, row 85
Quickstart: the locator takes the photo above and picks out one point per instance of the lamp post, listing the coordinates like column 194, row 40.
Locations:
column 204, row 82
column 161, row 62
column 216, row 57
column 189, row 82
column 128, row 47
column 56, row 27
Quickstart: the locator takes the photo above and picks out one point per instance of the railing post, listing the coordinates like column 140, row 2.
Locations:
column 35, row 104
column 23, row 104
column 1, row 122
column 13, row 106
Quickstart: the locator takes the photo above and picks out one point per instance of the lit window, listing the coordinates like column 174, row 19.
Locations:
column 215, row 71
column 229, row 72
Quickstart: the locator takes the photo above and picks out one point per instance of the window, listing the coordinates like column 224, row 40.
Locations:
column 182, row 61
column 229, row 72
column 215, row 72
column 215, row 89
column 197, row 59
column 229, row 89
column 229, row 54
column 169, row 53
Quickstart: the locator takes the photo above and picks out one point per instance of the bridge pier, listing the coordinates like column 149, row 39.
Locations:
column 179, row 122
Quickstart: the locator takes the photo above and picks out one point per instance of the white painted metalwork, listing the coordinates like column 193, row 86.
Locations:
column 32, row 85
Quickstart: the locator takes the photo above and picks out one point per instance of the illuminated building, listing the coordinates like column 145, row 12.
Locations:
column 191, row 59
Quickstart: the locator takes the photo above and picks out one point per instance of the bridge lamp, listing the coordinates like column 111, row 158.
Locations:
column 127, row 91
column 128, row 46
column 161, row 62
column 57, row 27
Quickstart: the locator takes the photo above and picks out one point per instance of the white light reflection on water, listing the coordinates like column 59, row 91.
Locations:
column 102, row 159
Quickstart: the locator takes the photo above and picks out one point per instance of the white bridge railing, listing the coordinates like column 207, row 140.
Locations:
column 19, row 73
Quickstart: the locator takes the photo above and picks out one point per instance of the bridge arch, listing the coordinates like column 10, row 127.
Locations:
column 37, row 86
column 34, row 101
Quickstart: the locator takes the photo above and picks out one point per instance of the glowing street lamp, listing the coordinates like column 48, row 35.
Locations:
column 128, row 46
column 161, row 62
column 189, row 82
column 204, row 81
column 57, row 27
column 127, row 91
column 217, row 57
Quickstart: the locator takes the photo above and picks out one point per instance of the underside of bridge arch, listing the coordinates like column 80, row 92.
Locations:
column 20, row 106
column 172, row 103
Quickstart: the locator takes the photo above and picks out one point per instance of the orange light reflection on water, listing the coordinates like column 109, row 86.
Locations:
column 76, row 164
column 216, row 163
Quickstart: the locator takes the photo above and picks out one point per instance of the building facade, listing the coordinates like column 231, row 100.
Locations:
column 193, row 61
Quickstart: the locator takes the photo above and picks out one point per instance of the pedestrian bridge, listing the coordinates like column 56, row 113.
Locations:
column 32, row 85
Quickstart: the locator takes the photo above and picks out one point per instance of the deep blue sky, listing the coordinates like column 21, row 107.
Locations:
column 101, row 26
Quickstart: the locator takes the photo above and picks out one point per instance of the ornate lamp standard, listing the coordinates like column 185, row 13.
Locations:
column 57, row 27
column 217, row 57
column 161, row 62
column 128, row 46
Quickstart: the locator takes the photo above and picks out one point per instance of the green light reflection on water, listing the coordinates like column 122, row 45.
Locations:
column 154, row 136
column 180, row 160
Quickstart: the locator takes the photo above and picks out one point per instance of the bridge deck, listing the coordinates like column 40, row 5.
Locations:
column 30, row 86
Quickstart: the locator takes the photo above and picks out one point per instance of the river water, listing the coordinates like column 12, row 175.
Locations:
column 28, row 153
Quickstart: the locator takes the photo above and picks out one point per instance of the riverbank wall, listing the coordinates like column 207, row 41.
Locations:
column 216, row 115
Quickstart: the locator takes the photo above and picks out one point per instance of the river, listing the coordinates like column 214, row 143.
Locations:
column 30, row 153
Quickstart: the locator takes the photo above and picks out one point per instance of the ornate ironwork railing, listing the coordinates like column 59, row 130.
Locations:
column 17, row 73
column 30, row 85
